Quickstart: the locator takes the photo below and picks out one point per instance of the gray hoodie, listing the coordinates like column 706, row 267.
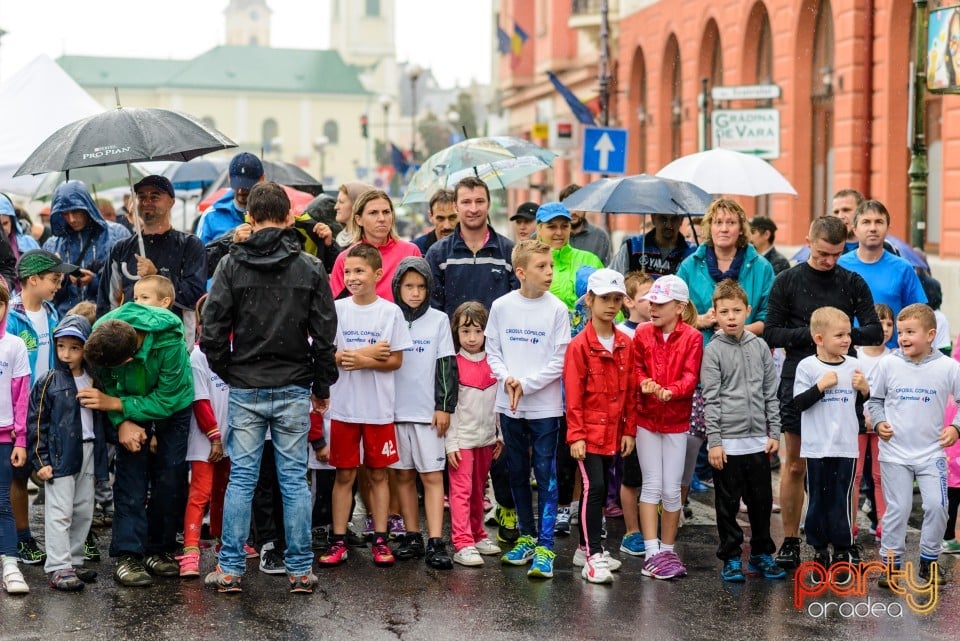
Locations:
column 739, row 382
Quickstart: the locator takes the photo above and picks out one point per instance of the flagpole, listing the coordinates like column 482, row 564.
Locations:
column 604, row 79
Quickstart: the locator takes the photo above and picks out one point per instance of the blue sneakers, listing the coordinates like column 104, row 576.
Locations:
column 632, row 544
column 542, row 567
column 733, row 571
column 522, row 552
column 765, row 565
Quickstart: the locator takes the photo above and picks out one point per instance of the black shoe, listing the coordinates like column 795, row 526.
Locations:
column 822, row 559
column 687, row 511
column 85, row 574
column 411, row 547
column 162, row 565
column 130, row 572
column 271, row 561
column 841, row 576
column 926, row 572
column 354, row 540
column 508, row 531
column 436, row 556
column 90, row 550
column 885, row 582
column 856, row 554
column 789, row 555
column 30, row 552
column 319, row 539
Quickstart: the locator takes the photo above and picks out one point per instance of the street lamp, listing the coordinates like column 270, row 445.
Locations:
column 414, row 73
column 385, row 105
column 320, row 146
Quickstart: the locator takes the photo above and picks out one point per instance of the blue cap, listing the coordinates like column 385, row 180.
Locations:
column 245, row 171
column 549, row 211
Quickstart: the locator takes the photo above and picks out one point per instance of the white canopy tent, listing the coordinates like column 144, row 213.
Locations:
column 34, row 103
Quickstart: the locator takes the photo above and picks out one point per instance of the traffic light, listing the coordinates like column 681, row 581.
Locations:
column 364, row 131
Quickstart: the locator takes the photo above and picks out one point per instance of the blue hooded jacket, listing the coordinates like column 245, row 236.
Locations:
column 222, row 216
column 24, row 241
column 89, row 248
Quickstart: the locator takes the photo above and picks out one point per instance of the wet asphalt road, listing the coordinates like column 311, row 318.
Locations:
column 410, row 601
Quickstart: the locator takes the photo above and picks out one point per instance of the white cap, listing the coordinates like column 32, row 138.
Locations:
column 668, row 288
column 606, row 281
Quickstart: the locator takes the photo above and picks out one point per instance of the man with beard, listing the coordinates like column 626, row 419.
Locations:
column 658, row 252
column 168, row 252
column 584, row 234
column 443, row 215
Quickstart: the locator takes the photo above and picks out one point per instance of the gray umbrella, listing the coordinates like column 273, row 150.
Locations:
column 124, row 135
column 640, row 194
column 285, row 173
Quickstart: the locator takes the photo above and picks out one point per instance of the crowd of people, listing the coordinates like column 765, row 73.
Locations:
column 278, row 367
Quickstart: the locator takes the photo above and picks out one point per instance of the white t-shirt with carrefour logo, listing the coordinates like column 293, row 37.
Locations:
column 830, row 427
column 366, row 395
column 415, row 379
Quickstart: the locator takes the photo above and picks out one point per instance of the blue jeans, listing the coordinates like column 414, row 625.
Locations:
column 150, row 527
column 8, row 531
column 519, row 435
column 285, row 411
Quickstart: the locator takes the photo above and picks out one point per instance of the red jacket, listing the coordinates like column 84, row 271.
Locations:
column 675, row 365
column 599, row 388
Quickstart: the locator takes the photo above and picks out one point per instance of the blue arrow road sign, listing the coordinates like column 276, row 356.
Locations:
column 604, row 150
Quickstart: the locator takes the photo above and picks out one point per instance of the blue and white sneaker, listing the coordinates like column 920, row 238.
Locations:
column 542, row 567
column 632, row 544
column 765, row 565
column 522, row 552
column 733, row 571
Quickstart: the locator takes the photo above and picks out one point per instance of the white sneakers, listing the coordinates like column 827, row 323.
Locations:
column 597, row 570
column 580, row 560
column 487, row 547
column 468, row 556
column 13, row 581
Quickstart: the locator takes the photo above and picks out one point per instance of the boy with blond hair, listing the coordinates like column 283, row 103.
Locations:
column 910, row 388
column 527, row 337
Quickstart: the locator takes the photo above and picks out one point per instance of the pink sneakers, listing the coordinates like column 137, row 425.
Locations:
column 189, row 563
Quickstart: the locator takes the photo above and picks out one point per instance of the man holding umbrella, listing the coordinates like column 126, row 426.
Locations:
column 166, row 251
column 228, row 212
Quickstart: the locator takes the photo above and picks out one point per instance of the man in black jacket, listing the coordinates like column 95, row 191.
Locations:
column 268, row 330
column 795, row 295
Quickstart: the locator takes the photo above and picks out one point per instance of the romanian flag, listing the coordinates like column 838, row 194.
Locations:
column 519, row 37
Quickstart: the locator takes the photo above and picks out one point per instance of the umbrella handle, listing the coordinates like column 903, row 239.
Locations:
column 138, row 230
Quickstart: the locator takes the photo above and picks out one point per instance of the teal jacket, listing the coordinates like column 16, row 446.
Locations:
column 158, row 381
column 756, row 278
column 18, row 324
column 566, row 261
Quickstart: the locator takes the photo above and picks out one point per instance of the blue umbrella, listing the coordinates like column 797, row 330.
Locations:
column 194, row 174
column 640, row 194
column 892, row 244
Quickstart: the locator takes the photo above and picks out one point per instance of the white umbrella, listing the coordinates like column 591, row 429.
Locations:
column 722, row 171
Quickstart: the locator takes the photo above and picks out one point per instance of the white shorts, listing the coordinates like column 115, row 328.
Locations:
column 419, row 448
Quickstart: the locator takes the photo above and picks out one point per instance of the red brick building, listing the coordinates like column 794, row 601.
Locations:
column 842, row 67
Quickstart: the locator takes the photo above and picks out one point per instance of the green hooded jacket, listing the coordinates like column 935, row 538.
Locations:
column 158, row 381
column 566, row 261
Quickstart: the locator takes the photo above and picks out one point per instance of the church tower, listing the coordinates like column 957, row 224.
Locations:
column 248, row 23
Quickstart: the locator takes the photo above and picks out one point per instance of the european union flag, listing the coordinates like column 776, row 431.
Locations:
column 503, row 41
column 580, row 110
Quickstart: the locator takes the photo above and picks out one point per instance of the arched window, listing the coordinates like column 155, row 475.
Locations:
column 373, row 8
column 332, row 131
column 269, row 132
column 821, row 92
column 672, row 107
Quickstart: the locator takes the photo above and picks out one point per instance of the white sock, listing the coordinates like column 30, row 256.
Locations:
column 666, row 548
column 650, row 548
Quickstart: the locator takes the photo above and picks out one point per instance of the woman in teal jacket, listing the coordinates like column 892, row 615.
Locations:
column 726, row 253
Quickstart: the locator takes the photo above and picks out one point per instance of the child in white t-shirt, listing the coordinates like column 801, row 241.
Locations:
column 423, row 412
column 527, row 337
column 371, row 338
column 910, row 390
column 825, row 390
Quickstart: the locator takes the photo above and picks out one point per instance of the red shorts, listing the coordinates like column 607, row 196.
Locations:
column 379, row 445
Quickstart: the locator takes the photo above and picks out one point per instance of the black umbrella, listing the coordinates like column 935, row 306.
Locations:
column 285, row 173
column 641, row 194
column 124, row 135
column 199, row 172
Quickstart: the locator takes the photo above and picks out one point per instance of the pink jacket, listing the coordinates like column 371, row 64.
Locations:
column 392, row 252
column 20, row 393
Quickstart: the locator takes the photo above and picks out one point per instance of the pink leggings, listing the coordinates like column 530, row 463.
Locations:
column 872, row 440
column 208, row 482
column 467, row 484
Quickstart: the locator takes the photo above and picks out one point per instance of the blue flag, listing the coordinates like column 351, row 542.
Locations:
column 503, row 41
column 398, row 160
column 580, row 110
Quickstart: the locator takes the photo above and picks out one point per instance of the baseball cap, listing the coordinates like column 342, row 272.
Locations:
column 38, row 261
column 73, row 325
column 668, row 288
column 160, row 182
column 549, row 211
column 245, row 170
column 606, row 281
column 527, row 211
column 762, row 223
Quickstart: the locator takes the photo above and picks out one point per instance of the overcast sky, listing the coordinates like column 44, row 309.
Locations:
column 445, row 35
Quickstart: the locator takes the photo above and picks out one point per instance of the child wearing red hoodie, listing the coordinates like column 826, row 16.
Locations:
column 668, row 353
column 599, row 384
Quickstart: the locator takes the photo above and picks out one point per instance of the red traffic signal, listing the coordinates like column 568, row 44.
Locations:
column 364, row 130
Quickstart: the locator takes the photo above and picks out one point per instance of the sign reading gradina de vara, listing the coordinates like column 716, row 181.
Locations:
column 749, row 131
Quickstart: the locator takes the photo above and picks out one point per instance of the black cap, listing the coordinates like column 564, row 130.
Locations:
column 160, row 182
column 527, row 211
